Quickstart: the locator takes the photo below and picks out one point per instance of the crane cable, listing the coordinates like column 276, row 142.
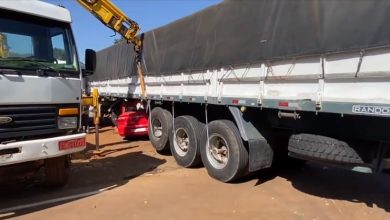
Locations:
column 114, row 18
column 138, row 51
column 142, row 81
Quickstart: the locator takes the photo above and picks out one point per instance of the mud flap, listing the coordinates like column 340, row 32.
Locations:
column 260, row 154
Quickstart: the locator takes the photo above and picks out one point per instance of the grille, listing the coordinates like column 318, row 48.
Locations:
column 28, row 121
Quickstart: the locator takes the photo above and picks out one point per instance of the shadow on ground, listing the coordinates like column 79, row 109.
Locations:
column 91, row 171
column 334, row 183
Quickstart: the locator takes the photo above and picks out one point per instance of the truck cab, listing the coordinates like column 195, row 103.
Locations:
column 40, row 88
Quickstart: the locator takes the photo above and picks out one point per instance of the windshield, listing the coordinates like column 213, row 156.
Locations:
column 28, row 42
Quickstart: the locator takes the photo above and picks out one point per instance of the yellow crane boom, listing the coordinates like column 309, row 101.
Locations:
column 3, row 46
column 111, row 16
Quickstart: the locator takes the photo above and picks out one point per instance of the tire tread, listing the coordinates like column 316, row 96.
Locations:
column 323, row 148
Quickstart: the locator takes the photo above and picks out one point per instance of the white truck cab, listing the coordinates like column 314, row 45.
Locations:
column 40, row 88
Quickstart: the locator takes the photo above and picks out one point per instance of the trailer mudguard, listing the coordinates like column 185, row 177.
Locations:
column 260, row 152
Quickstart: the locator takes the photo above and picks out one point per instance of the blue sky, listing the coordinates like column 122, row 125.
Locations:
column 149, row 14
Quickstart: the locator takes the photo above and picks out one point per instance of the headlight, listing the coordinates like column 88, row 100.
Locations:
column 67, row 122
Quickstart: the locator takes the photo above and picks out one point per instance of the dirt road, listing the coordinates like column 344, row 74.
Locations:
column 128, row 180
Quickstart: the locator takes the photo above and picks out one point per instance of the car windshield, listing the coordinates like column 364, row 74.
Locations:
column 28, row 42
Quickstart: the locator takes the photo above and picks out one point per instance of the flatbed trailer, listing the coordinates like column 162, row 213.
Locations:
column 314, row 89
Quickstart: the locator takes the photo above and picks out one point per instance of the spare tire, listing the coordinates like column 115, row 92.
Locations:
column 323, row 148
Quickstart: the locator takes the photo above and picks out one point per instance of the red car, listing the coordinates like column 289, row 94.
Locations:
column 133, row 122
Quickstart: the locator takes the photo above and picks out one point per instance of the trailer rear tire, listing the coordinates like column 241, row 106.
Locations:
column 160, row 127
column 57, row 171
column 225, row 157
column 186, row 143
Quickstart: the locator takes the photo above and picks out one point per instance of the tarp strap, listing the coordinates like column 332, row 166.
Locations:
column 362, row 53
column 149, row 108
column 207, row 128
column 173, row 121
column 141, row 80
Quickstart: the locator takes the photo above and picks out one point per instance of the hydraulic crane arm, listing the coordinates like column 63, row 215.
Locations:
column 111, row 16
column 3, row 46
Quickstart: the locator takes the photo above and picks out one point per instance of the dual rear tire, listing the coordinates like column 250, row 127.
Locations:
column 221, row 149
column 223, row 152
column 219, row 146
column 160, row 126
column 185, row 141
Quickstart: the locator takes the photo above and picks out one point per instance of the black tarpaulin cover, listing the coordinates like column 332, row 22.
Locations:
column 237, row 32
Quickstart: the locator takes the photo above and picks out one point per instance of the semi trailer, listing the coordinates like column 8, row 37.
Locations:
column 243, row 85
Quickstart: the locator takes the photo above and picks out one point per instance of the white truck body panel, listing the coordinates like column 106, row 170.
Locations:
column 327, row 78
column 54, row 90
column 29, row 90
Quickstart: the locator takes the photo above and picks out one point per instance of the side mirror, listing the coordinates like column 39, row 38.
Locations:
column 90, row 60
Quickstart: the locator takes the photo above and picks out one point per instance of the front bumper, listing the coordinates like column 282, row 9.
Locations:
column 38, row 149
